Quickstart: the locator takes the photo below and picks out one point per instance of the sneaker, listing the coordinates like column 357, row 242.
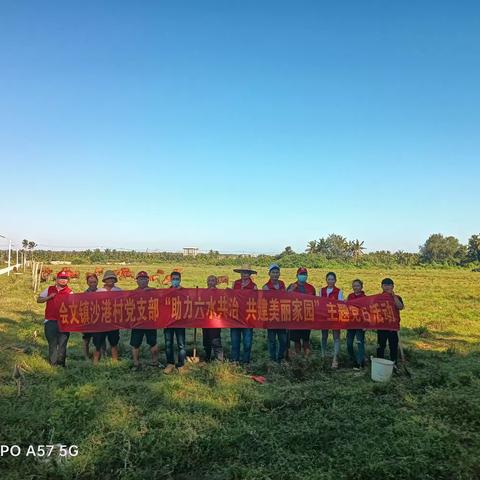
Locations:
column 335, row 362
column 169, row 369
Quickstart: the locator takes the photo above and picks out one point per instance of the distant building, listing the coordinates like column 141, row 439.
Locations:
column 190, row 251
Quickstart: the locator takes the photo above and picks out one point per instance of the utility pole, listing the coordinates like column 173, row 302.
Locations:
column 9, row 252
column 9, row 256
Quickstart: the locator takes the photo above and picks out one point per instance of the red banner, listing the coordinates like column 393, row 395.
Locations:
column 218, row 308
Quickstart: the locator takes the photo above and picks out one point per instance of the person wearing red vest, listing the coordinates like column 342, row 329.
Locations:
column 331, row 291
column 358, row 357
column 276, row 284
column 301, row 286
column 137, row 334
column 237, row 334
column 57, row 340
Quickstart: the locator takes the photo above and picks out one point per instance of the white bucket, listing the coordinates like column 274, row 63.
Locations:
column 381, row 369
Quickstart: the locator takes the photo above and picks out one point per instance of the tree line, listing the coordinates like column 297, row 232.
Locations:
column 438, row 250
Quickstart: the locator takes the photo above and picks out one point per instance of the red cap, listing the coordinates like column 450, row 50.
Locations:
column 63, row 274
column 142, row 274
column 302, row 270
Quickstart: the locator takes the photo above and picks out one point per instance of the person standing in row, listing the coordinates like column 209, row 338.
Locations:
column 331, row 291
column 170, row 333
column 358, row 357
column 276, row 284
column 137, row 334
column 300, row 337
column 99, row 338
column 212, row 337
column 384, row 336
column 57, row 340
column 92, row 282
column 245, row 282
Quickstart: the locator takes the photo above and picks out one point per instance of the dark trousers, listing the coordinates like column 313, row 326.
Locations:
column 272, row 334
column 392, row 337
column 244, row 335
column 169, row 333
column 357, row 356
column 57, row 343
column 212, row 340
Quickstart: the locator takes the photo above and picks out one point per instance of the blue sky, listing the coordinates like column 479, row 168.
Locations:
column 239, row 126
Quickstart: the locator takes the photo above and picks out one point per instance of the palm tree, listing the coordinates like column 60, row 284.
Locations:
column 24, row 246
column 356, row 248
column 31, row 246
column 311, row 246
column 322, row 246
column 337, row 246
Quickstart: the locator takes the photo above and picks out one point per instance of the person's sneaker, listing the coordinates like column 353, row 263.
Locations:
column 182, row 369
column 169, row 369
column 334, row 362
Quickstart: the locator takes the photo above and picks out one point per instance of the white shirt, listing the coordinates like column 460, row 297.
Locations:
column 330, row 290
column 114, row 289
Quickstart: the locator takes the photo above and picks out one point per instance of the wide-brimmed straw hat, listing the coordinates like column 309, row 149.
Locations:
column 245, row 269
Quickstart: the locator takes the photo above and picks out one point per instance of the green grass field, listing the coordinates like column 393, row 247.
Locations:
column 214, row 422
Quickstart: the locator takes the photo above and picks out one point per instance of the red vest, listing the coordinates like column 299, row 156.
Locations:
column 51, row 308
column 270, row 285
column 237, row 285
column 333, row 294
column 309, row 289
column 352, row 296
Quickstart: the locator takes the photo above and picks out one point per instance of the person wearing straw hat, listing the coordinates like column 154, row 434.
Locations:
column 276, row 284
column 137, row 334
column 57, row 340
column 109, row 280
column 300, row 337
column 245, row 282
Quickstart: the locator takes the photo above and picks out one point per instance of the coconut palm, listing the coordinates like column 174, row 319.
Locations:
column 31, row 246
column 356, row 248
column 311, row 246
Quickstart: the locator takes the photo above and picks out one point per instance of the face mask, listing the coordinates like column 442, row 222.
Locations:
column 175, row 282
column 302, row 278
